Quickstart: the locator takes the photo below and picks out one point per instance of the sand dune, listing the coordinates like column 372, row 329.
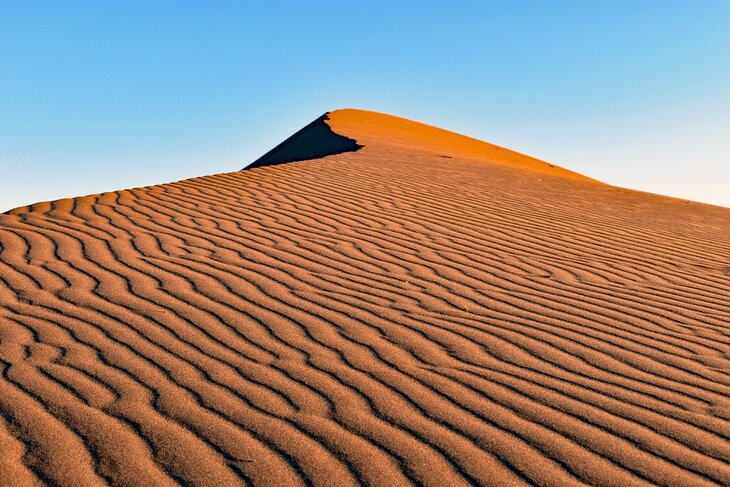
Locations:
column 412, row 307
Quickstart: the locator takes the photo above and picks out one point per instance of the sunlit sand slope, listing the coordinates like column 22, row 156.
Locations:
column 424, row 309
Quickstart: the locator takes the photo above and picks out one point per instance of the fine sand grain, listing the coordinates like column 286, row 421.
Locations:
column 417, row 307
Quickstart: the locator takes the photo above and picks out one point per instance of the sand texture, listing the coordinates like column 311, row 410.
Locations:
column 417, row 307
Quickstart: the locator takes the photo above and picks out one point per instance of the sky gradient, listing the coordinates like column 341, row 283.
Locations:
column 97, row 96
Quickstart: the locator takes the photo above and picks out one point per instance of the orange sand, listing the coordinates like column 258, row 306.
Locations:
column 427, row 309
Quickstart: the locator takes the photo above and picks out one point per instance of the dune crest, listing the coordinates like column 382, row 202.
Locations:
column 380, row 316
column 350, row 129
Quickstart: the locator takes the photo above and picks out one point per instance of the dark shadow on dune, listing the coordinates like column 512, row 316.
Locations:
column 312, row 142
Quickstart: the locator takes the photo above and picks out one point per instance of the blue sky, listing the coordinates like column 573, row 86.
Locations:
column 97, row 96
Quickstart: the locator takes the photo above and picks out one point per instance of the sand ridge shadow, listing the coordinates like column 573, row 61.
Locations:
column 312, row 142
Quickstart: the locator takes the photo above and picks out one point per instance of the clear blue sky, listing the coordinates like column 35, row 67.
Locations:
column 97, row 96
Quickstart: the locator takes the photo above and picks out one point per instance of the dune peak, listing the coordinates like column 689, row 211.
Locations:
column 350, row 129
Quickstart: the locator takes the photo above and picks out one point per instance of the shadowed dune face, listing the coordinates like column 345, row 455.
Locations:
column 314, row 141
column 384, row 316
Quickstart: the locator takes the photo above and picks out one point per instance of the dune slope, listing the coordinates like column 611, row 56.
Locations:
column 426, row 309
